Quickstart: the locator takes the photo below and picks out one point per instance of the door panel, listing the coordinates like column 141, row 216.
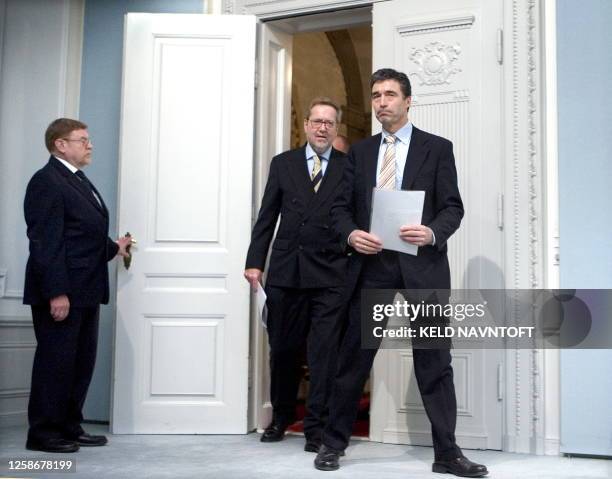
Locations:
column 181, row 339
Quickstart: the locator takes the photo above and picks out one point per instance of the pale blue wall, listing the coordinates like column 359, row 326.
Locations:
column 584, row 70
column 100, row 108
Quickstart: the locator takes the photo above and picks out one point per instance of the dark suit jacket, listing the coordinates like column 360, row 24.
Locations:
column 430, row 166
column 69, row 243
column 306, row 253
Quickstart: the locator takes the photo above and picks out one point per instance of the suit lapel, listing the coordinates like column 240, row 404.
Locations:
column 77, row 184
column 299, row 173
column 331, row 178
column 371, row 163
column 102, row 205
column 417, row 153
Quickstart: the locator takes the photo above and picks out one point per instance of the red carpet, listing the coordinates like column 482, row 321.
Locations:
column 361, row 427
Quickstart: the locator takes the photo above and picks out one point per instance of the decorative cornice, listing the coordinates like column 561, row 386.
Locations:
column 283, row 8
column 440, row 24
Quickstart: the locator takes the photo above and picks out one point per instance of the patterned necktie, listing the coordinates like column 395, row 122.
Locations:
column 81, row 176
column 317, row 173
column 386, row 178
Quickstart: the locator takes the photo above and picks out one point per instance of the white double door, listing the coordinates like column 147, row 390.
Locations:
column 187, row 155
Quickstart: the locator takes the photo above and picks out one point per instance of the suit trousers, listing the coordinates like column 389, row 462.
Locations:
column 432, row 367
column 63, row 366
column 298, row 317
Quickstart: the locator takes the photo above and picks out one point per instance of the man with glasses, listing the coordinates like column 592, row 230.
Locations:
column 66, row 280
column 306, row 272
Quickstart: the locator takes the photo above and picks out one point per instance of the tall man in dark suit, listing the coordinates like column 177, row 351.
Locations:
column 66, row 281
column 402, row 157
column 307, row 270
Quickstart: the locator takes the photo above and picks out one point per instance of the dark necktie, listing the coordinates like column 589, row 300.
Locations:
column 88, row 184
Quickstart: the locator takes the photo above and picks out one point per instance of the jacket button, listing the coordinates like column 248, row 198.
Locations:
column 300, row 247
column 294, row 200
column 303, row 223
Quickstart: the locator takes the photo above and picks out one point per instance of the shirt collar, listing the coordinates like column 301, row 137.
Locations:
column 403, row 134
column 72, row 168
column 310, row 153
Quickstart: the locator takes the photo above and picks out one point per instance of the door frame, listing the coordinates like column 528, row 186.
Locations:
column 527, row 46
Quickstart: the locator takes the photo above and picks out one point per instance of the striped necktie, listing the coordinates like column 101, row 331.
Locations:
column 386, row 178
column 317, row 173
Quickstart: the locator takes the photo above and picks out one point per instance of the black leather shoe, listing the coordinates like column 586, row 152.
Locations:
column 52, row 445
column 327, row 459
column 87, row 440
column 460, row 466
column 274, row 433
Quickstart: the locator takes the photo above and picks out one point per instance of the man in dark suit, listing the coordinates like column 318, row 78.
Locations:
column 402, row 157
column 66, row 281
column 307, row 270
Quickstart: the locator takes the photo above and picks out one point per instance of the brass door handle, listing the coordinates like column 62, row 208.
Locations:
column 127, row 260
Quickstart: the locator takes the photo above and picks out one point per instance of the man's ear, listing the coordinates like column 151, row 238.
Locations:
column 59, row 145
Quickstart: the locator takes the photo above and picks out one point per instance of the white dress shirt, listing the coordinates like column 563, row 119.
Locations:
column 72, row 168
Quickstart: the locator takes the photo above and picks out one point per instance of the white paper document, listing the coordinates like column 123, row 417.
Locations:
column 392, row 209
column 260, row 297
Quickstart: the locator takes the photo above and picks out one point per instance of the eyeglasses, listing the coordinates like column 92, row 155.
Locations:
column 319, row 123
column 84, row 141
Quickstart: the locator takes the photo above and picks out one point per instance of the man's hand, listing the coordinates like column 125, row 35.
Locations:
column 253, row 276
column 419, row 235
column 60, row 307
column 123, row 243
column 365, row 242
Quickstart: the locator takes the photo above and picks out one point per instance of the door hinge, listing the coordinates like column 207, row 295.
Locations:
column 256, row 75
column 500, row 46
column 500, row 384
column 500, row 211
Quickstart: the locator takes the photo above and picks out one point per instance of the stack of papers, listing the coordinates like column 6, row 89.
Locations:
column 392, row 209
